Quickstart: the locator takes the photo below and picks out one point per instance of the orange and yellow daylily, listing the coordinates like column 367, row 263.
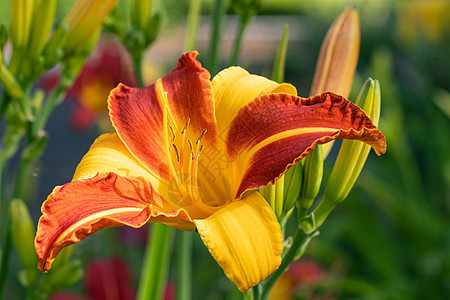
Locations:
column 191, row 153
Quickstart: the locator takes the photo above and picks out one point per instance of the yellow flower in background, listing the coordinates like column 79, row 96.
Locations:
column 191, row 153
column 428, row 19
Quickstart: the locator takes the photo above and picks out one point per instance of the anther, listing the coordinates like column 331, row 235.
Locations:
column 201, row 136
column 176, row 152
column 173, row 133
column 192, row 149
column 186, row 126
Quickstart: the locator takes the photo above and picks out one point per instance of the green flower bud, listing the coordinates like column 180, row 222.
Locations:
column 352, row 155
column 152, row 29
column 9, row 82
column 282, row 195
column 246, row 7
column 292, row 186
column 140, row 13
column 312, row 179
column 3, row 35
column 22, row 233
column 61, row 278
column 53, row 52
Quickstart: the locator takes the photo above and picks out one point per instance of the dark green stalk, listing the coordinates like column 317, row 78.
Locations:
column 4, row 103
column 6, row 250
column 220, row 7
column 6, row 244
column 184, row 265
column 137, row 60
column 53, row 100
column 244, row 21
column 299, row 243
column 156, row 262
column 235, row 294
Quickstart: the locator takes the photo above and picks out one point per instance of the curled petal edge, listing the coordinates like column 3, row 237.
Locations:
column 109, row 201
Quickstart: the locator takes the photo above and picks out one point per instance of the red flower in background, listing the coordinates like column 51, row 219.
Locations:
column 302, row 276
column 107, row 279
column 107, row 66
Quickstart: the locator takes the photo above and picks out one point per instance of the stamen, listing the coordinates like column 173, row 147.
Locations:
column 201, row 136
column 183, row 137
column 194, row 171
column 162, row 96
column 186, row 125
column 190, row 166
column 192, row 149
column 176, row 152
column 171, row 130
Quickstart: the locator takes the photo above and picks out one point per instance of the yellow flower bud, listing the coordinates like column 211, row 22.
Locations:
column 84, row 20
column 352, row 155
column 337, row 60
column 43, row 17
column 338, row 56
column 21, row 19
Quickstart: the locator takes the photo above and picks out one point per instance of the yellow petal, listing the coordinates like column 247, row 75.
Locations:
column 245, row 239
column 109, row 154
column 235, row 87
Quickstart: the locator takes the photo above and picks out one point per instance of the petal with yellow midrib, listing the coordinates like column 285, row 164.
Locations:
column 77, row 209
column 275, row 131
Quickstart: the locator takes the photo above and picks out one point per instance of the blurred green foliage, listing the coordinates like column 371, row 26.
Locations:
column 390, row 239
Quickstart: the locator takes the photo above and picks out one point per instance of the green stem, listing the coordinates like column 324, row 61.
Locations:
column 192, row 22
column 235, row 294
column 220, row 7
column 137, row 60
column 323, row 209
column 4, row 103
column 22, row 178
column 156, row 262
column 244, row 20
column 6, row 250
column 300, row 242
column 184, row 265
column 53, row 100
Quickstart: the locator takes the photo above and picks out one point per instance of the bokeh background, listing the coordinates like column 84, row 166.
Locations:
column 389, row 240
